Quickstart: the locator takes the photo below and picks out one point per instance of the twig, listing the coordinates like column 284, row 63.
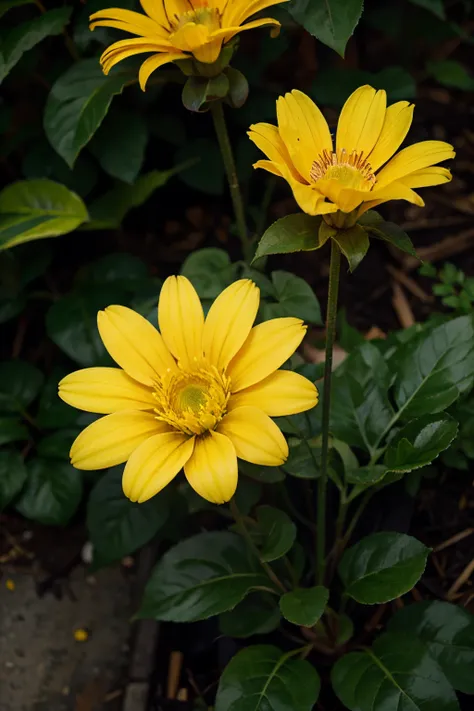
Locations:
column 454, row 244
column 454, row 539
column 461, row 579
column 174, row 673
column 402, row 307
column 410, row 284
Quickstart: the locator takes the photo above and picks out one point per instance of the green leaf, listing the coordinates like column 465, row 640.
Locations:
column 120, row 143
column 205, row 171
column 210, row 271
column 353, row 243
column 12, row 430
column 304, row 459
column 264, row 475
column 304, row 606
column 108, row 211
column 33, row 209
column 12, row 476
column 24, row 37
column 199, row 91
column 238, row 88
column 451, row 73
column 361, row 410
column 117, row 527
column 20, row 383
column 262, row 678
column 434, row 6
column 420, row 441
column 202, row 576
column 71, row 323
column 434, row 369
column 77, row 105
column 397, row 673
column 330, row 21
column 392, row 233
column 382, row 567
column 248, row 494
column 52, row 493
column 333, row 85
column 293, row 233
column 6, row 5
column 120, row 270
column 295, row 298
column 448, row 633
column 366, row 476
column 58, row 444
column 254, row 615
column 277, row 531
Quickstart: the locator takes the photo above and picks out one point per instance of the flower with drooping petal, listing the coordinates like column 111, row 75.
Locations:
column 197, row 394
column 357, row 170
column 178, row 29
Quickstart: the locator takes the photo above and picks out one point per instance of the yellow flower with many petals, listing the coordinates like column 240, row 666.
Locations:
column 178, row 29
column 356, row 171
column 197, row 394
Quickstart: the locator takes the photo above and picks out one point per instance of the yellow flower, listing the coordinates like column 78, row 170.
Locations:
column 325, row 177
column 198, row 394
column 178, row 29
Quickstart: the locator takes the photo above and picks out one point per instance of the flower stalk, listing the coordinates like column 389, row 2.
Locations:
column 331, row 315
column 217, row 111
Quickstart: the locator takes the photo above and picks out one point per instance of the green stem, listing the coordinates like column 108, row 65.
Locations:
column 331, row 314
column 355, row 519
column 218, row 116
column 239, row 520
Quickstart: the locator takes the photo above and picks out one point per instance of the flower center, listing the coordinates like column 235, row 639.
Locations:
column 207, row 16
column 351, row 169
column 192, row 401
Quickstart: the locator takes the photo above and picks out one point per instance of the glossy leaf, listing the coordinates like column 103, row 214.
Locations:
column 210, row 271
column 77, row 105
column 108, row 211
column 71, row 323
column 420, row 441
column 389, row 232
column 451, row 73
column 304, row 459
column 264, row 475
column 52, row 492
column 33, row 209
column 119, row 269
column 20, row 383
column 262, row 678
column 304, row 606
column 117, row 527
column 330, row 21
column 361, row 409
column 433, row 369
column 382, row 567
column 120, row 143
column 366, row 476
column 25, row 36
column 353, row 243
column 396, row 673
column 448, row 633
column 12, row 476
column 202, row 576
column 294, row 233
column 12, row 430
column 295, row 298
column 277, row 530
column 197, row 154
column 57, row 445
column 254, row 615
column 434, row 6
column 52, row 411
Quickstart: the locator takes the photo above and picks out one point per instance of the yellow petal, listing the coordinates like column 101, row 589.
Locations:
column 155, row 62
column 426, row 177
column 105, row 390
column 134, row 22
column 212, row 468
column 396, row 125
column 269, row 166
column 394, row 191
column 237, row 11
column 268, row 346
column 255, row 436
column 310, row 199
column 190, row 36
column 154, row 464
column 268, row 139
column 112, row 439
column 303, row 129
column 229, row 32
column 175, row 8
column 181, row 319
column 361, row 120
column 155, row 9
column 119, row 55
column 229, row 321
column 134, row 344
column 416, row 157
column 209, row 53
column 282, row 393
